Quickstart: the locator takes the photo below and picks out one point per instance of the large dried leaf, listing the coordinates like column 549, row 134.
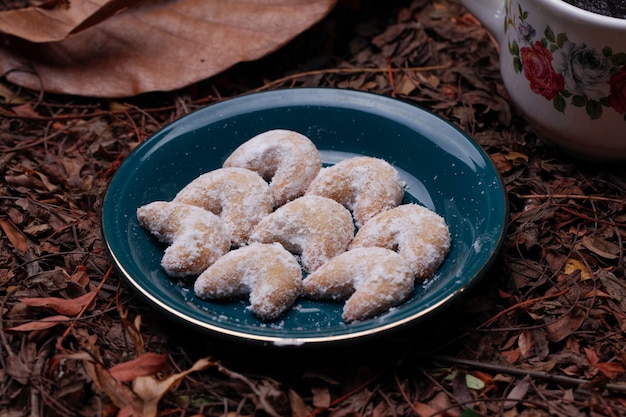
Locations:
column 566, row 325
column 69, row 307
column 15, row 236
column 49, row 24
column 142, row 400
column 43, row 324
column 144, row 365
column 159, row 46
column 151, row 390
column 518, row 393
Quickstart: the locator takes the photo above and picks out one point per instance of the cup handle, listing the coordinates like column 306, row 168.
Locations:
column 491, row 13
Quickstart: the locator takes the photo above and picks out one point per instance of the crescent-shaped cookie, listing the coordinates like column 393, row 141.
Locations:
column 287, row 159
column 317, row 228
column 372, row 279
column 196, row 237
column 420, row 235
column 240, row 197
column 365, row 185
column 269, row 274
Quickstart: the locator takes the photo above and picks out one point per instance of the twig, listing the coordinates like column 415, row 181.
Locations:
column 444, row 411
column 406, row 397
column 593, row 219
column 348, row 394
column 3, row 335
column 39, row 141
column 6, row 158
column 620, row 245
column 392, row 80
column 293, row 77
column 491, row 367
column 571, row 197
column 99, row 112
column 262, row 400
column 522, row 304
column 96, row 113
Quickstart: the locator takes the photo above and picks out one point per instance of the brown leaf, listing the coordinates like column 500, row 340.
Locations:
column 602, row 247
column 146, row 392
column 20, row 365
column 17, row 238
column 611, row 369
column 121, row 395
column 31, row 179
column 525, row 272
column 37, row 229
column 25, row 110
column 405, row 86
column 17, row 369
column 81, row 277
column 299, row 408
column 45, row 323
column 557, row 261
column 565, row 325
column 54, row 280
column 512, row 355
column 68, row 307
column 151, row 390
column 517, row 393
column 526, row 343
column 440, row 402
column 321, row 397
column 542, row 348
column 423, row 410
column 144, row 365
column 615, row 287
column 592, row 356
column 460, row 388
column 159, row 46
column 132, row 330
column 9, row 96
column 45, row 24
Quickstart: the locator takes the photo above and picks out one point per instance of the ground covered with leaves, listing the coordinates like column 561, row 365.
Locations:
column 542, row 334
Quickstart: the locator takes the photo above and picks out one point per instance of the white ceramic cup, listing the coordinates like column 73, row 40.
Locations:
column 565, row 69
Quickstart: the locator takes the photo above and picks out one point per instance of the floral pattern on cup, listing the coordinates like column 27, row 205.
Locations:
column 566, row 72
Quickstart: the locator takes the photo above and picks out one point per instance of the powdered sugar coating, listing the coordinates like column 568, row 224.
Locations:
column 288, row 159
column 317, row 228
column 268, row 273
column 373, row 279
column 240, row 197
column 420, row 235
column 364, row 185
column 196, row 237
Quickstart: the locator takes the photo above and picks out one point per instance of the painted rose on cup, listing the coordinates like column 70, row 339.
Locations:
column 536, row 62
column 617, row 97
column 567, row 72
column 586, row 71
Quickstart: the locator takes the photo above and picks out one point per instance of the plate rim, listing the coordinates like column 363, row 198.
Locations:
column 302, row 97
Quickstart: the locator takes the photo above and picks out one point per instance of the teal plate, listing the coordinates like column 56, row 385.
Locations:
column 443, row 168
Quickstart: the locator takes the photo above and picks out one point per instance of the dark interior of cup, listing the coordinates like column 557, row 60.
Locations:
column 612, row 8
